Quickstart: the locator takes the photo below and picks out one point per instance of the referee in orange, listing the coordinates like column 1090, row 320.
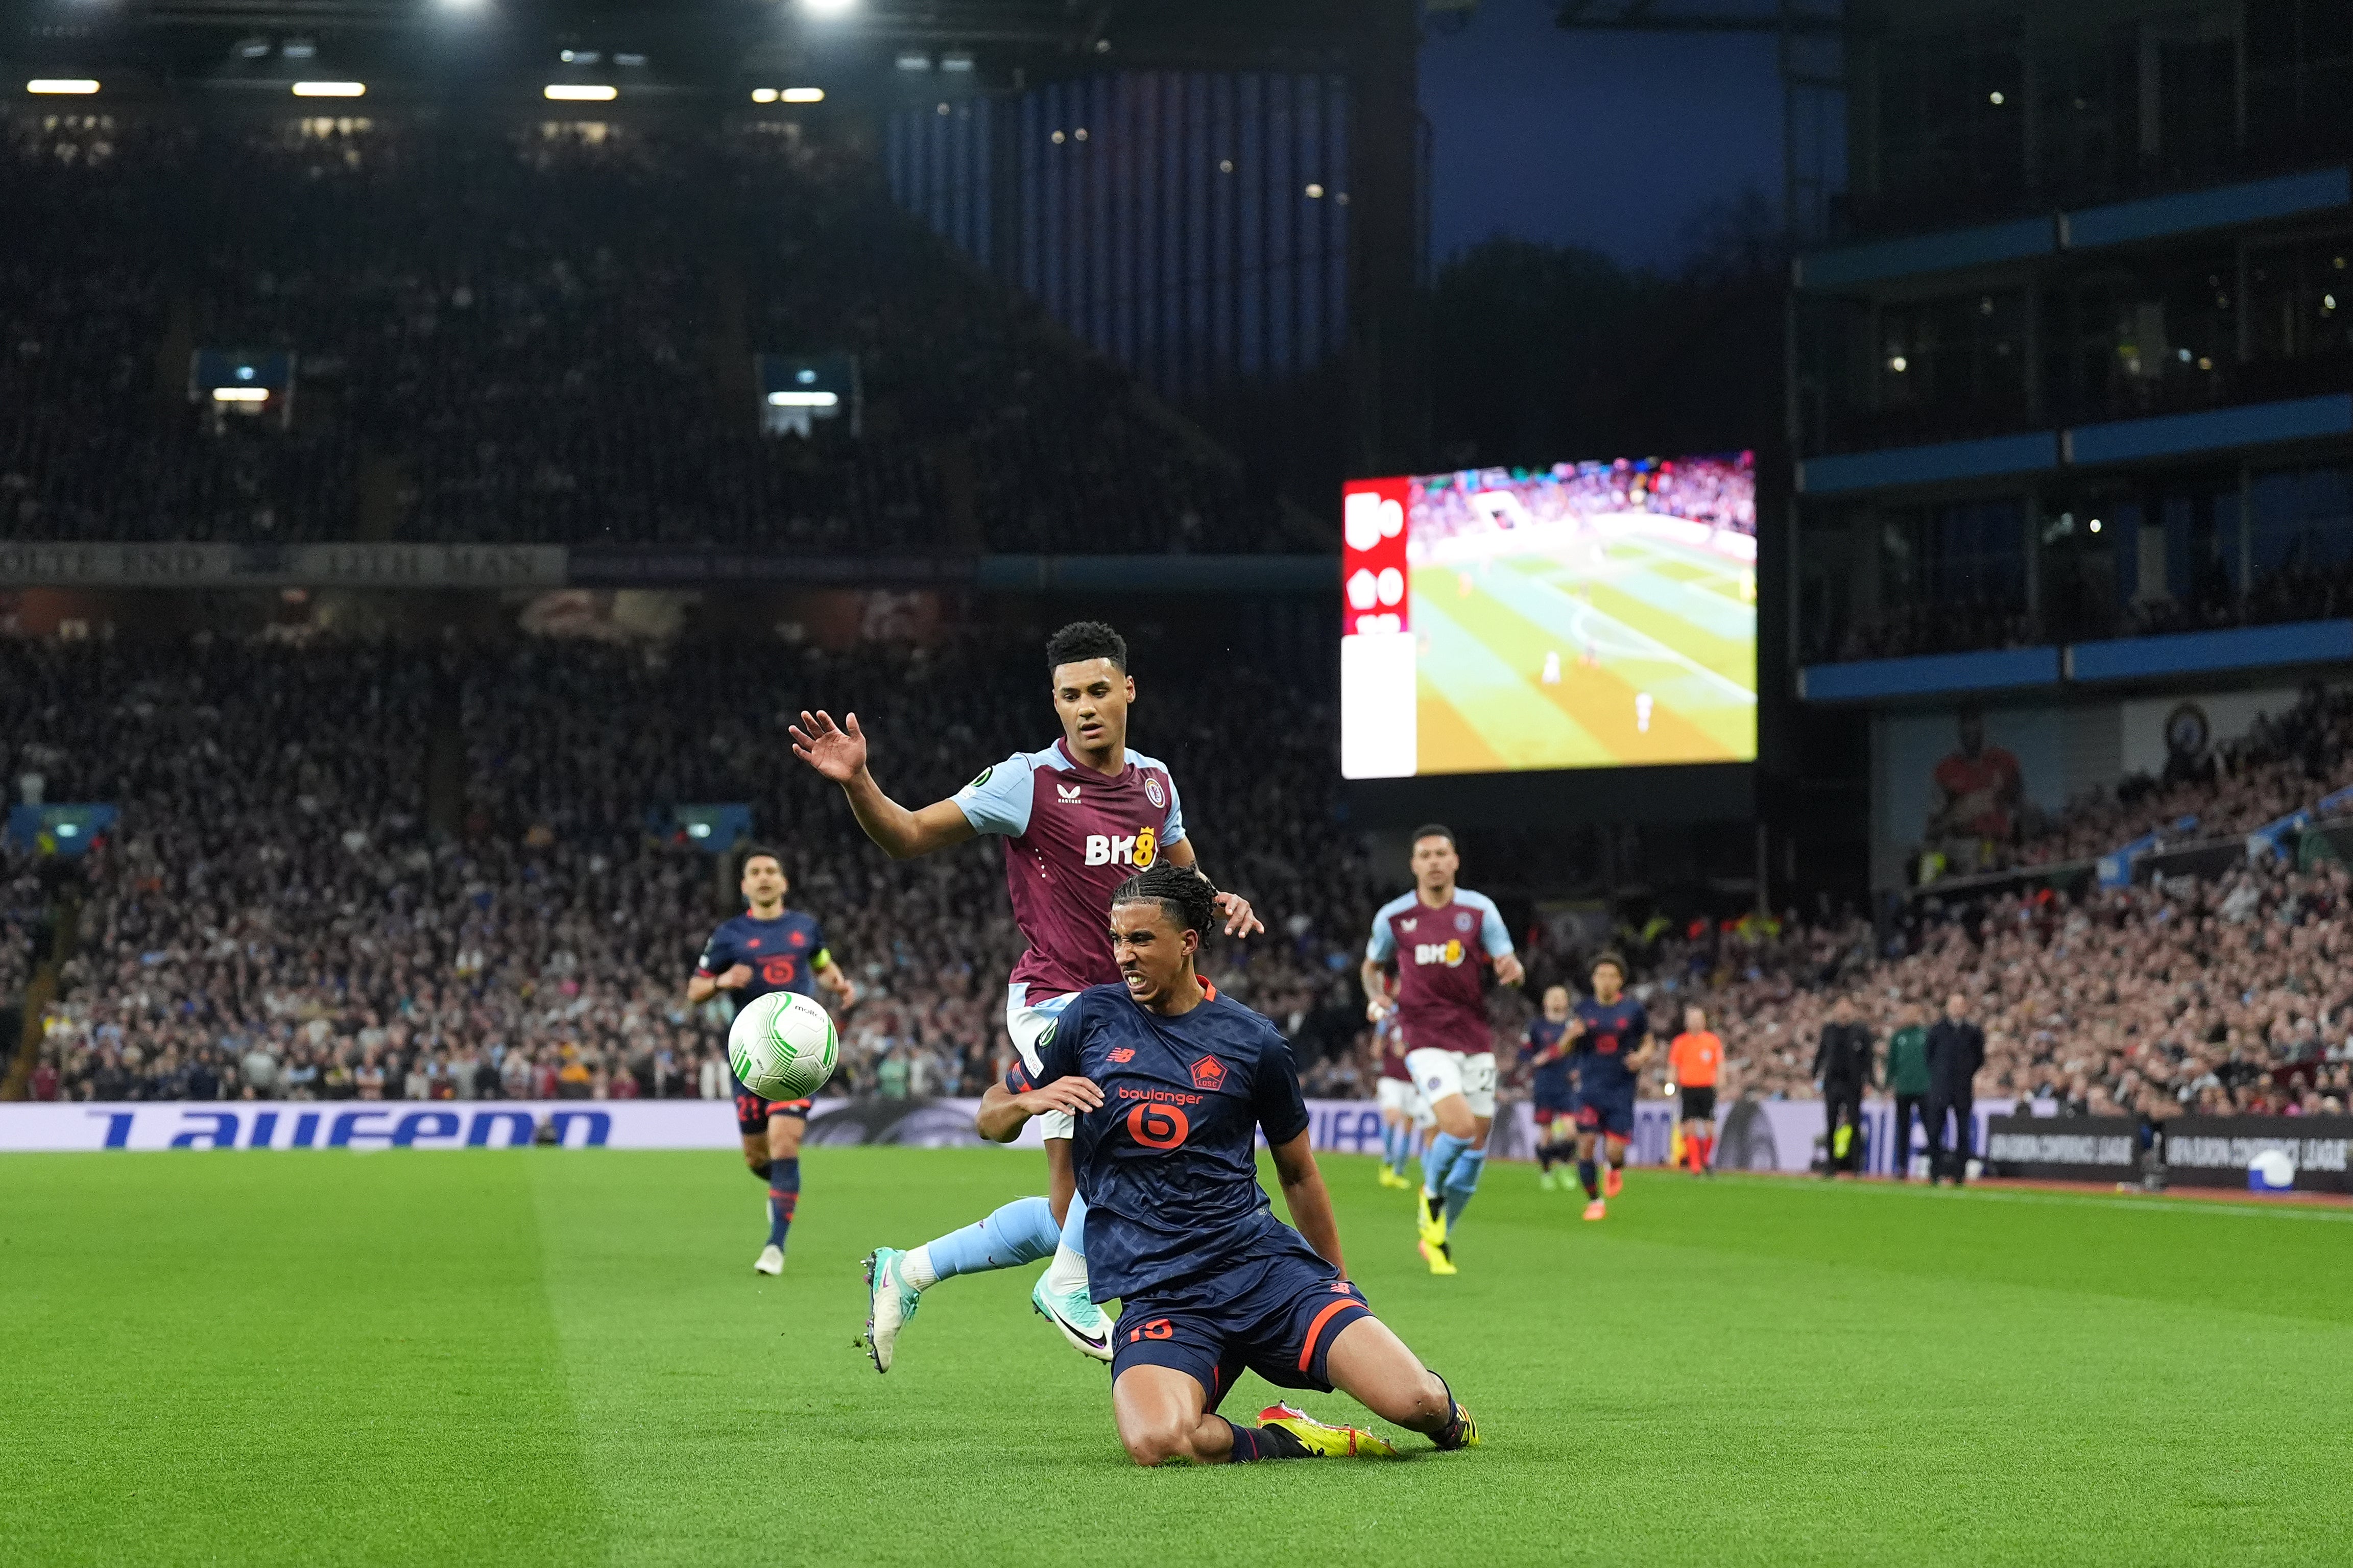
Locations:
column 1695, row 1058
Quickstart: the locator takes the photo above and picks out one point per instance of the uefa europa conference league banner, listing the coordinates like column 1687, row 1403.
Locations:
column 2199, row 1151
column 1342, row 1126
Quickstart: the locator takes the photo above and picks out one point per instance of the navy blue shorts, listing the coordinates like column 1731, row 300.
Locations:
column 1275, row 1316
column 752, row 1112
column 1611, row 1113
column 1548, row 1105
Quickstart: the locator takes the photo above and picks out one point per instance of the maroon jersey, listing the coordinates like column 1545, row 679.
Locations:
column 1439, row 953
column 1071, row 836
column 1392, row 1048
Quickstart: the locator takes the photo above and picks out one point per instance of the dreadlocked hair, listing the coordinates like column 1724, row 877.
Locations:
column 1189, row 897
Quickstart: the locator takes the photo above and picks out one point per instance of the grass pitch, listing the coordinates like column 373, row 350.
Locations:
column 544, row 1356
column 1536, row 662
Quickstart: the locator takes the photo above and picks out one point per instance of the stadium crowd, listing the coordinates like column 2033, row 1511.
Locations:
column 545, row 335
column 275, row 913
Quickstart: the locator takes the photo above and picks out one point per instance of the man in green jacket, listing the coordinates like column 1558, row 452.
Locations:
column 1905, row 1076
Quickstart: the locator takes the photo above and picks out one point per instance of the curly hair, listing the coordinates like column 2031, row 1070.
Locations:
column 1189, row 897
column 1082, row 640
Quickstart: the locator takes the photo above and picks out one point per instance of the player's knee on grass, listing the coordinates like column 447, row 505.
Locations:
column 1159, row 1411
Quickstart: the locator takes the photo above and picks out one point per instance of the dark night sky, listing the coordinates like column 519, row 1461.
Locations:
column 1610, row 141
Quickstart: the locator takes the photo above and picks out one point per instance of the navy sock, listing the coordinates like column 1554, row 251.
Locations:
column 784, row 1196
column 1590, row 1177
column 1255, row 1443
column 760, row 1171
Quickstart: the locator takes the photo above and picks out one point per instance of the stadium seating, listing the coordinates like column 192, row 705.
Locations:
column 544, row 333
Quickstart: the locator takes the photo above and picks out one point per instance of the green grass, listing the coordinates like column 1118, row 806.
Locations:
column 563, row 1357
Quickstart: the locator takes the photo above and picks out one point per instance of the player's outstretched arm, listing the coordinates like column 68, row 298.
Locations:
column 1309, row 1203
column 1376, row 990
column 839, row 752
column 1002, row 1113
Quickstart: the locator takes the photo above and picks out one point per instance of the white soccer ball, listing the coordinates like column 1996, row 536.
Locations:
column 782, row 1045
column 2271, row 1171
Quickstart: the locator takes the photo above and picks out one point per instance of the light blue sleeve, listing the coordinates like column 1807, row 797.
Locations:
column 998, row 801
column 1492, row 936
column 1173, row 830
column 1383, row 947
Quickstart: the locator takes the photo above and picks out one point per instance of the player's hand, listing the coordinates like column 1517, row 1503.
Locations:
column 1239, row 921
column 736, row 979
column 1509, row 970
column 1376, row 1009
column 1075, row 1095
column 838, row 754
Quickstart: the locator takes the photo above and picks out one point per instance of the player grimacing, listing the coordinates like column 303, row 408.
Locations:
column 1442, row 936
column 1078, row 818
column 769, row 948
column 1169, row 1084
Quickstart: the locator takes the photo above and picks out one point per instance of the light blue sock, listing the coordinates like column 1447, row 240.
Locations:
column 1021, row 1232
column 1439, row 1159
column 1392, row 1146
column 1462, row 1182
column 1074, row 1227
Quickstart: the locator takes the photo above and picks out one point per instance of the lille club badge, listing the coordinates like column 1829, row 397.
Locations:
column 1209, row 1073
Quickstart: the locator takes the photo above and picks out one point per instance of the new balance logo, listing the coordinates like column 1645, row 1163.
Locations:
column 1122, row 1054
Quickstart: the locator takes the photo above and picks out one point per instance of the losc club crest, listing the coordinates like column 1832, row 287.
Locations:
column 1153, row 793
column 1209, row 1073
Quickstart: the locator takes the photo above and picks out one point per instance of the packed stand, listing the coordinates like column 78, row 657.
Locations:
column 274, row 916
column 544, row 334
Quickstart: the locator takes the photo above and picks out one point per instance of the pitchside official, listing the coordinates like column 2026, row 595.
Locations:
column 1843, row 1067
column 1955, row 1052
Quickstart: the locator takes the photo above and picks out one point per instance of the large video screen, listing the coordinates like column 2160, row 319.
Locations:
column 1588, row 615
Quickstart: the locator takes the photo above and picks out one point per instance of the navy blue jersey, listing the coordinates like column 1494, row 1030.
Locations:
column 1551, row 1086
column 1612, row 1035
column 782, row 952
column 1168, row 1163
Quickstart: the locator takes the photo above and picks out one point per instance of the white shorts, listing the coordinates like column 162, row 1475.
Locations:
column 1027, row 1021
column 1437, row 1074
column 1398, row 1096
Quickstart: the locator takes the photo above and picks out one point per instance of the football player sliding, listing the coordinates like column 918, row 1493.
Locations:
column 1078, row 819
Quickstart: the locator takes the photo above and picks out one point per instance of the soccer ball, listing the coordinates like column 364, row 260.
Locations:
column 783, row 1045
column 2271, row 1171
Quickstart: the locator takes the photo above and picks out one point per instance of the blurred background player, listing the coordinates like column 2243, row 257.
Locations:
column 1696, row 1057
column 1400, row 1103
column 1611, row 1049
column 1441, row 937
column 1078, row 819
column 1170, row 1085
column 1545, row 1050
column 769, row 948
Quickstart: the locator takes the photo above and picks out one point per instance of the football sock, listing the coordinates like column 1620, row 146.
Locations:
column 1439, row 1159
column 1590, row 1177
column 1392, row 1146
column 1068, row 1272
column 784, row 1195
column 1074, row 1230
column 1253, row 1443
column 1706, row 1150
column 1021, row 1232
column 1461, row 1183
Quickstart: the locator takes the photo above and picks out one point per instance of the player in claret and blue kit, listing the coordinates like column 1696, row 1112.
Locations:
column 1442, row 938
column 1169, row 1086
column 1078, row 819
column 1613, row 1045
column 769, row 948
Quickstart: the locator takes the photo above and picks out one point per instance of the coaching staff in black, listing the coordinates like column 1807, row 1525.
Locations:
column 1955, row 1052
column 1842, row 1066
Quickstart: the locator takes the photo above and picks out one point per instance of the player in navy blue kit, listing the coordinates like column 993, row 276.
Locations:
column 1169, row 1084
column 769, row 948
column 1546, row 1050
column 1613, row 1046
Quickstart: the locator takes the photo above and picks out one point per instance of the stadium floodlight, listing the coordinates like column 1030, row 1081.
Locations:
column 956, row 63
column 764, row 95
column 581, row 93
column 67, row 84
column 241, row 395
column 803, row 95
column 330, row 89
column 827, row 7
column 805, row 399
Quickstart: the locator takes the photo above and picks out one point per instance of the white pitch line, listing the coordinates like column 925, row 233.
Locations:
column 1577, row 606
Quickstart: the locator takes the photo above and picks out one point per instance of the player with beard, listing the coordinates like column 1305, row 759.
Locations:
column 1078, row 819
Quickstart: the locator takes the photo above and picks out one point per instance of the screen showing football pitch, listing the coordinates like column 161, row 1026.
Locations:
column 1588, row 615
